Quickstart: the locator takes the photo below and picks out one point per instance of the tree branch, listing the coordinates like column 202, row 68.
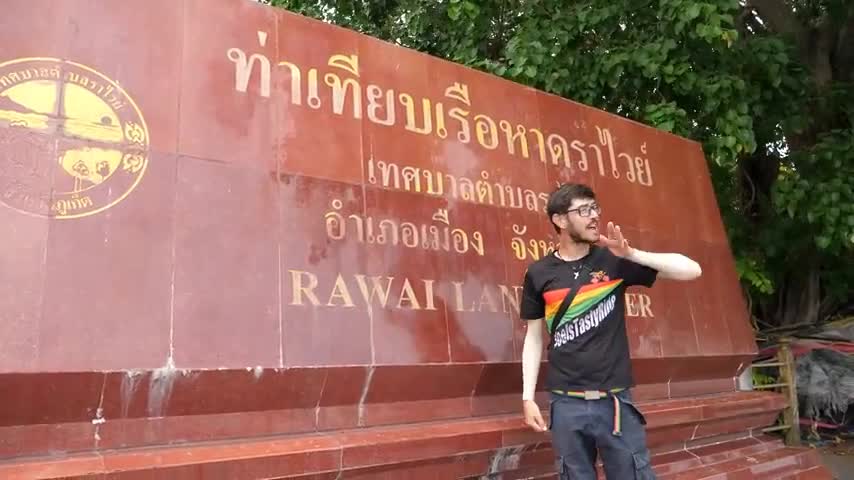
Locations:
column 821, row 43
column 844, row 54
column 741, row 23
column 780, row 17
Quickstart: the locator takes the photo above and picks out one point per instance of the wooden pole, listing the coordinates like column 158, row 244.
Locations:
column 791, row 415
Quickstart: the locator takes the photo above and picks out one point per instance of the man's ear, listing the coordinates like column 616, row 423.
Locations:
column 559, row 220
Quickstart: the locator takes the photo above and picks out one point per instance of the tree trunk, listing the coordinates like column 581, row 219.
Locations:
column 800, row 297
column 758, row 174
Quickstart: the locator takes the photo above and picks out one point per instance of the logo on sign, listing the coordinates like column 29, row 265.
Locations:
column 72, row 142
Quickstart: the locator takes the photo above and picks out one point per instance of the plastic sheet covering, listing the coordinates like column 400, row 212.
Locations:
column 838, row 331
column 825, row 383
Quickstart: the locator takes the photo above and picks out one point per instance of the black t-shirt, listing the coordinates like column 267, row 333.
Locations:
column 589, row 347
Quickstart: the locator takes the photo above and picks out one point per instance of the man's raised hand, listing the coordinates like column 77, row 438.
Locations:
column 615, row 241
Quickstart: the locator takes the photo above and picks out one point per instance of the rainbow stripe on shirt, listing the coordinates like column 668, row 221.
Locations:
column 586, row 298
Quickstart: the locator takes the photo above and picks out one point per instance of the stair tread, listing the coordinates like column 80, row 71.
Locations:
column 765, row 465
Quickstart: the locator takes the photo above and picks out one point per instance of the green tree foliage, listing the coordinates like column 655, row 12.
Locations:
column 767, row 86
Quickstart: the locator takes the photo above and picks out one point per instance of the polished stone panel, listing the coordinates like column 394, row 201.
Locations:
column 240, row 126
column 108, row 282
column 120, row 50
column 317, row 133
column 408, row 323
column 238, row 326
column 323, row 274
column 22, row 277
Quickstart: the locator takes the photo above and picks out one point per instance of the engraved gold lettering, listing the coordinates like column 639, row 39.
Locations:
column 514, row 197
column 437, row 188
column 452, row 181
column 487, row 132
column 515, row 135
column 243, row 67
column 75, row 203
column 313, row 95
column 340, row 291
column 296, row 82
column 428, row 291
column 412, row 179
column 518, row 244
column 407, row 294
column 420, row 180
column 459, row 301
column 389, row 171
column 348, row 63
column 409, row 234
column 117, row 104
column 335, row 225
column 466, row 189
column 376, row 290
column 512, row 298
column 389, row 230
column 441, row 130
column 632, row 305
column 460, row 92
column 531, row 200
column 630, row 169
column 427, row 112
column 607, row 140
column 559, row 150
column 535, row 248
column 645, row 305
column 374, row 93
column 541, row 143
column 641, row 168
column 298, row 289
column 484, row 190
column 424, row 116
column 439, row 238
column 579, row 147
column 486, row 298
column 599, row 159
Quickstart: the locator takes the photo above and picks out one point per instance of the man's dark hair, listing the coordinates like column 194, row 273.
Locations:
column 561, row 199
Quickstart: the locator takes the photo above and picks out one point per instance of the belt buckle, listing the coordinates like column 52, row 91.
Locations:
column 592, row 394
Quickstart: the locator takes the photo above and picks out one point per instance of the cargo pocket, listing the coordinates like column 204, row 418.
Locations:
column 643, row 468
column 562, row 469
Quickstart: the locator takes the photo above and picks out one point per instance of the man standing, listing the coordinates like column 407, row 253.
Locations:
column 578, row 293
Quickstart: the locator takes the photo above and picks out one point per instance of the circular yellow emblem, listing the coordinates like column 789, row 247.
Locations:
column 72, row 142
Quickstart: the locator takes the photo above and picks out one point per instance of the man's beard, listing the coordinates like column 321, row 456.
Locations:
column 577, row 238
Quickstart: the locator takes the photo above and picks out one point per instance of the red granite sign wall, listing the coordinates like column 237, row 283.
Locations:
column 225, row 202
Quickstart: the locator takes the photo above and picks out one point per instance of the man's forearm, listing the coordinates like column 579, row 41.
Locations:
column 531, row 356
column 669, row 265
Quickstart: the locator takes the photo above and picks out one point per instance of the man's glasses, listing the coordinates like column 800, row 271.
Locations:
column 586, row 210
